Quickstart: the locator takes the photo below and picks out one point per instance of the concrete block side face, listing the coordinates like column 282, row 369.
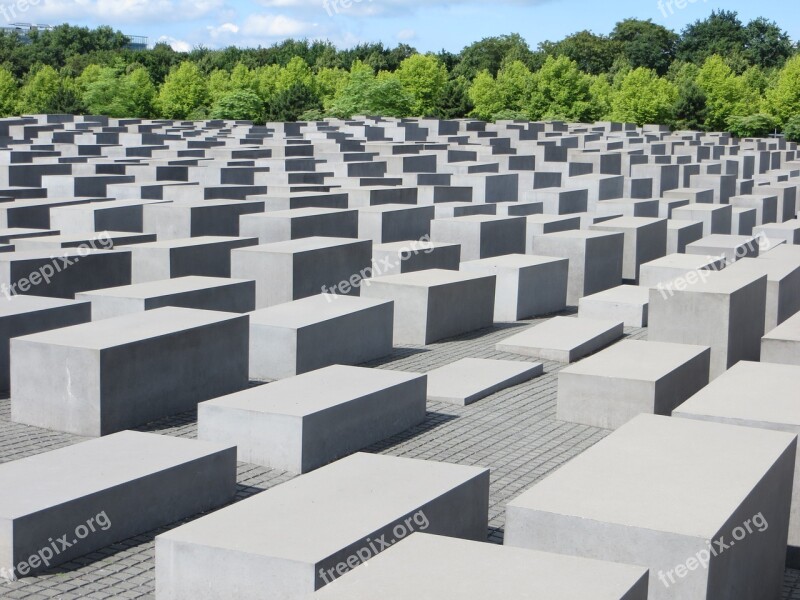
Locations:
column 343, row 224
column 350, row 339
column 163, row 376
column 410, row 310
column 447, row 258
column 270, row 440
column 459, row 308
column 73, row 274
column 685, row 381
column 36, row 322
column 347, row 428
column 150, row 264
column 461, row 512
column 603, row 402
column 753, row 568
column 692, row 318
column 606, row 338
column 205, row 260
column 234, row 297
column 56, row 387
column 659, row 551
column 186, row 571
column 784, row 352
column 604, row 258
column 331, row 268
column 7, row 558
column 273, row 274
column 498, row 238
column 108, row 307
column 129, row 509
column 273, row 352
column 123, row 218
column 745, row 331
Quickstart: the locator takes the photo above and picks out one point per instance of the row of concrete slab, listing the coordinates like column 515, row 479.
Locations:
column 154, row 268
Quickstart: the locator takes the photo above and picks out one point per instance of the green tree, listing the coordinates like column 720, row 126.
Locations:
column 791, row 129
column 758, row 125
column 722, row 33
column 8, row 93
column 137, row 94
column 724, row 92
column 183, row 93
column 484, row 93
column 592, row 53
column 423, row 77
column 783, row 99
column 328, row 82
column 489, row 54
column 290, row 104
column 239, row 105
column 644, row 97
column 219, row 84
column 766, row 44
column 39, row 91
column 646, row 44
column 297, row 72
column 455, row 102
column 560, row 91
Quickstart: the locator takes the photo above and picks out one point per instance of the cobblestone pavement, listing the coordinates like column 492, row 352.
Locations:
column 513, row 432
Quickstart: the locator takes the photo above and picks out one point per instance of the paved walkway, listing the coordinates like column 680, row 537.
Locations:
column 513, row 432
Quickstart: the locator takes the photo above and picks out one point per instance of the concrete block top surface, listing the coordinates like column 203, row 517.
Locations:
column 690, row 262
column 312, row 516
column 164, row 287
column 469, row 376
column 411, row 245
column 719, row 240
column 17, row 305
column 788, row 331
column 775, row 270
column 189, row 242
column 749, row 392
column 428, row 278
column 579, row 234
column 314, row 309
column 46, row 480
column 313, row 392
column 564, row 333
column 627, row 223
column 649, row 474
column 309, row 244
column 296, row 213
column 388, row 208
column 481, row 219
column 56, row 253
column 510, row 262
column 623, row 294
column 429, row 567
column 119, row 331
column 637, row 359
column 721, row 282
column 675, row 224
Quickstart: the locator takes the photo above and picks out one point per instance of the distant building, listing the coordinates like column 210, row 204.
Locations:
column 136, row 42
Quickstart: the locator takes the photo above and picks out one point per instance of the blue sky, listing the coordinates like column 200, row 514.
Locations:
column 428, row 25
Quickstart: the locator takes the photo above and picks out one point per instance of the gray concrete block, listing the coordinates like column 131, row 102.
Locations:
column 427, row 566
column 659, row 273
column 305, row 422
column 716, row 218
column 99, row 378
column 336, row 512
column 468, row 380
column 436, row 304
column 626, row 303
column 782, row 344
column 104, row 491
column 645, row 240
column 641, row 496
column 481, row 236
column 527, row 286
column 631, row 378
column 682, row 233
column 203, row 293
column 730, row 247
column 413, row 255
column 394, row 223
column 286, row 225
column 316, row 332
column 563, row 339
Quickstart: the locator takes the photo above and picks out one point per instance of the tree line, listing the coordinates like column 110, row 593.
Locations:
column 717, row 74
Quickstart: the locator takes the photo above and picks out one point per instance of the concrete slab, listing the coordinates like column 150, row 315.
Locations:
column 626, row 303
column 468, row 380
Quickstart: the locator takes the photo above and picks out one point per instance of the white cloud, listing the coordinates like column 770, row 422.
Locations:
column 177, row 45
column 405, row 35
column 275, row 26
column 122, row 11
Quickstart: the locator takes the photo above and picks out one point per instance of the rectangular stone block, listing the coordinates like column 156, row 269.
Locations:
column 99, row 378
column 723, row 310
column 201, row 256
column 783, row 287
column 435, row 304
column 789, row 231
column 24, row 315
column 286, row 225
column 760, row 395
column 716, row 218
column 645, row 240
column 63, row 273
column 309, row 334
column 482, row 236
column 563, row 339
column 527, row 286
column 468, row 380
column 427, row 566
column 659, row 273
column 626, row 303
column 595, row 259
column 537, row 225
column 782, row 344
column 682, row 233
column 631, row 378
column 287, row 271
column 730, row 247
column 93, row 494
column 202, row 293
column 394, row 222
column 305, row 422
column 414, row 255
column 641, row 496
column 335, row 512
